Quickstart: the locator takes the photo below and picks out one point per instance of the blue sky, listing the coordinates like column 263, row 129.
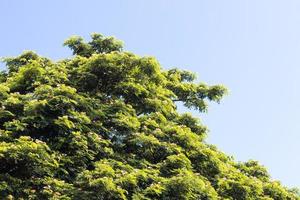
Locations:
column 251, row 46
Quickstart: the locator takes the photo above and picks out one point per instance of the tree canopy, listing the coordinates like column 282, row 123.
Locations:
column 104, row 124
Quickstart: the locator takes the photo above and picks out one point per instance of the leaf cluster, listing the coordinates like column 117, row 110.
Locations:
column 104, row 125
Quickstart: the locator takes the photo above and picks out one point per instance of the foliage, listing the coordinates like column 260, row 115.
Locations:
column 104, row 125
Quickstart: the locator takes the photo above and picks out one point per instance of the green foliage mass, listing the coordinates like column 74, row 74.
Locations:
column 104, row 125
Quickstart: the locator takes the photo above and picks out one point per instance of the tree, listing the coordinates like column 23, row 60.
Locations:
column 104, row 125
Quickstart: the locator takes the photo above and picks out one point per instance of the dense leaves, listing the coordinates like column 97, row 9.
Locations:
column 104, row 125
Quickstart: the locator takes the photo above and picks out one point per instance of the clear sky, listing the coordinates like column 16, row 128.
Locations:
column 251, row 46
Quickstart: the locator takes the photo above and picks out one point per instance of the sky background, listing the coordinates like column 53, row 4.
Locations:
column 250, row 46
